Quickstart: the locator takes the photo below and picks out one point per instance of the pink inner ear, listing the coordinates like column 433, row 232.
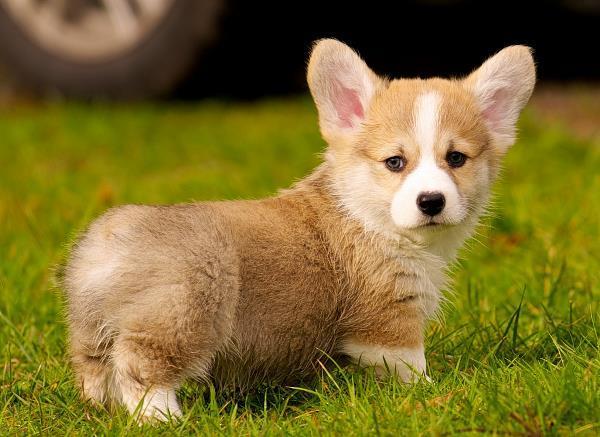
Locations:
column 496, row 109
column 347, row 104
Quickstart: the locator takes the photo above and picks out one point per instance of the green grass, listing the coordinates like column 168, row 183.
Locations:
column 518, row 350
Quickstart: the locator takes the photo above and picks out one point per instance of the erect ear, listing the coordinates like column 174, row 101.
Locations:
column 342, row 86
column 502, row 86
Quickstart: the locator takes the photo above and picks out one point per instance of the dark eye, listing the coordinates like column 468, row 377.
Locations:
column 395, row 163
column 456, row 159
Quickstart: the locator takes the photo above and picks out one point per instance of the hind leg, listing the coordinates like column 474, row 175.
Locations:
column 93, row 376
column 165, row 337
column 148, row 368
column 142, row 383
column 89, row 350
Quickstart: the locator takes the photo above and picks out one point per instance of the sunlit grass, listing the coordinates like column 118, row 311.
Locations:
column 517, row 352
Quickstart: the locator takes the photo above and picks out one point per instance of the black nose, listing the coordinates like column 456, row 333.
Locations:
column 431, row 203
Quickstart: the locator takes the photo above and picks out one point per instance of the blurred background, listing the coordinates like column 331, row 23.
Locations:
column 191, row 49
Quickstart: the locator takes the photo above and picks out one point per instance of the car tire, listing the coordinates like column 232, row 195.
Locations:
column 151, row 68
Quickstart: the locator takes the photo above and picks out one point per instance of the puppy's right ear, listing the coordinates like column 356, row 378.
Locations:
column 502, row 86
column 342, row 86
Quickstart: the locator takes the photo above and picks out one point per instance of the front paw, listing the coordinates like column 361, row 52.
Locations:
column 406, row 363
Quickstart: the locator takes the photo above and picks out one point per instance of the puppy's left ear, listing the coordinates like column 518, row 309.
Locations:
column 342, row 86
column 502, row 86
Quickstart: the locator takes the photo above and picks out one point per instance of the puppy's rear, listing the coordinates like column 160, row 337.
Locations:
column 242, row 289
column 134, row 284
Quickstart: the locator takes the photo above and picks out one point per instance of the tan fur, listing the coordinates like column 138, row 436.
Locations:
column 246, row 291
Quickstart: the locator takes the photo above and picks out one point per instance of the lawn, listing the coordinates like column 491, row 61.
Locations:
column 516, row 354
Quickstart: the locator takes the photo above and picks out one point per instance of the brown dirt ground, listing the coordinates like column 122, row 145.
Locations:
column 574, row 105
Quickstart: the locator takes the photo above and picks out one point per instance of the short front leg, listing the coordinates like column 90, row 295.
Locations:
column 408, row 363
column 389, row 337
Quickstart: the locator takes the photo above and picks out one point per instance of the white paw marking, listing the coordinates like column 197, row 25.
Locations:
column 407, row 363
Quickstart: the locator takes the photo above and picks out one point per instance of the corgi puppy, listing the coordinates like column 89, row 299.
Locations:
column 349, row 262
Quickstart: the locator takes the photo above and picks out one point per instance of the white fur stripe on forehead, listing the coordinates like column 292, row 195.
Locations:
column 427, row 176
column 426, row 115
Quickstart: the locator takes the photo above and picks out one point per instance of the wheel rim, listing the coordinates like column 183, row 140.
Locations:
column 87, row 30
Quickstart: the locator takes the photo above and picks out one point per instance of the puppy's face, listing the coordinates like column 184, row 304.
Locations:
column 411, row 156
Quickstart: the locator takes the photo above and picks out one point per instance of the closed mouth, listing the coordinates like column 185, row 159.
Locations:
column 433, row 224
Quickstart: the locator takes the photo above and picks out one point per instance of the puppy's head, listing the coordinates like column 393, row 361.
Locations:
column 409, row 156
